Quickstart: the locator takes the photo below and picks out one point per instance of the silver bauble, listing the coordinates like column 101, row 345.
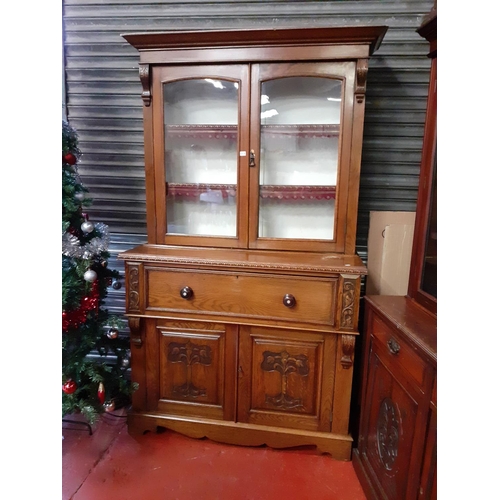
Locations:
column 125, row 362
column 108, row 406
column 80, row 196
column 90, row 275
column 112, row 333
column 87, row 227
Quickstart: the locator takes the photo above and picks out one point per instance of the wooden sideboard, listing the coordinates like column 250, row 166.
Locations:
column 396, row 454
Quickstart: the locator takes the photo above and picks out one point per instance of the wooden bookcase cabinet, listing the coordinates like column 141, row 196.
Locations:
column 396, row 454
column 243, row 305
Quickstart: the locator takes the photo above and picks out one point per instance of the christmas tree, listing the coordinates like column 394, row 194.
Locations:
column 94, row 356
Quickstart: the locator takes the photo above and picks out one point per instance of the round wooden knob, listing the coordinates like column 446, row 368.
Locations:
column 186, row 292
column 289, row 300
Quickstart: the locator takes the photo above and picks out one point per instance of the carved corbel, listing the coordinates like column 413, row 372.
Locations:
column 347, row 358
column 361, row 74
column 135, row 332
column 145, row 76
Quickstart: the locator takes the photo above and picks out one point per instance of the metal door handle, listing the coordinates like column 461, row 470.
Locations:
column 393, row 346
column 252, row 158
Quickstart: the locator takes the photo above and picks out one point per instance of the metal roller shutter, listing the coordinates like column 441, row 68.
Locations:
column 102, row 97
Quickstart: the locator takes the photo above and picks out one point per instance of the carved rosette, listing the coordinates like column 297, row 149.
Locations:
column 347, row 342
column 361, row 74
column 388, row 432
column 189, row 354
column 133, row 288
column 285, row 364
column 144, row 75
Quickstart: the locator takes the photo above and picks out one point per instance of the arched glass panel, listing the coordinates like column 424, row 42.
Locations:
column 201, row 160
column 300, row 126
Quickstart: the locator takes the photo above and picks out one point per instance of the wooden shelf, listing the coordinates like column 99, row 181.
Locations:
column 325, row 130
column 202, row 131
column 296, row 193
column 231, row 131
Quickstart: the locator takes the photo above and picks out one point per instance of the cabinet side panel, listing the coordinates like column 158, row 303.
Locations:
column 343, row 383
column 149, row 169
column 152, row 368
column 356, row 147
column 138, row 361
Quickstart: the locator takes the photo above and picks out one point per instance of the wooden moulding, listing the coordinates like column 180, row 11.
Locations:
column 335, row 43
column 274, row 262
column 338, row 446
column 359, row 35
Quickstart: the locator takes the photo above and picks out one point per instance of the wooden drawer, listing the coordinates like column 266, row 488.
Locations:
column 397, row 351
column 241, row 295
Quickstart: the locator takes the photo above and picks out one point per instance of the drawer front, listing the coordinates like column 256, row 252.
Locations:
column 310, row 301
column 398, row 352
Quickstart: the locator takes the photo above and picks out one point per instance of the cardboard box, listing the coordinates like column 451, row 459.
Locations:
column 390, row 240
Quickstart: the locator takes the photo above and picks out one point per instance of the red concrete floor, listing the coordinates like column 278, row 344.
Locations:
column 110, row 464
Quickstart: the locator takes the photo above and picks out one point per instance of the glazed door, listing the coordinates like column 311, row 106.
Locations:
column 283, row 378
column 200, row 141
column 301, row 122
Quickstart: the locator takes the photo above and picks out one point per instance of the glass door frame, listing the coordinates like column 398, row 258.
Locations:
column 167, row 74
column 344, row 71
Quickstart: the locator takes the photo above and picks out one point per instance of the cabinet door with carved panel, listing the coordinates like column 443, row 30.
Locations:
column 391, row 428
column 283, row 380
column 191, row 368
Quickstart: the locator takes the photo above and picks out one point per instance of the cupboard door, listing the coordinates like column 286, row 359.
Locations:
column 301, row 125
column 393, row 415
column 200, row 135
column 192, row 372
column 282, row 378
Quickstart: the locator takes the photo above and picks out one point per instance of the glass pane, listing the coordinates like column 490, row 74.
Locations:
column 201, row 156
column 300, row 124
column 429, row 271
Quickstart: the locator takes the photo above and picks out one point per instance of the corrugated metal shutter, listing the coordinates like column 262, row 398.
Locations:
column 104, row 105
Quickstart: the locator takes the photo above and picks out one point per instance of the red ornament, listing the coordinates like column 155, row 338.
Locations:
column 73, row 319
column 69, row 158
column 69, row 387
column 101, row 395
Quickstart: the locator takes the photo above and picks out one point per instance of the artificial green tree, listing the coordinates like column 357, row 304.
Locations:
column 95, row 356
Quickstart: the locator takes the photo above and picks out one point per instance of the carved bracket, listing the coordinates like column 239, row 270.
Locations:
column 347, row 358
column 135, row 332
column 145, row 76
column 361, row 74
